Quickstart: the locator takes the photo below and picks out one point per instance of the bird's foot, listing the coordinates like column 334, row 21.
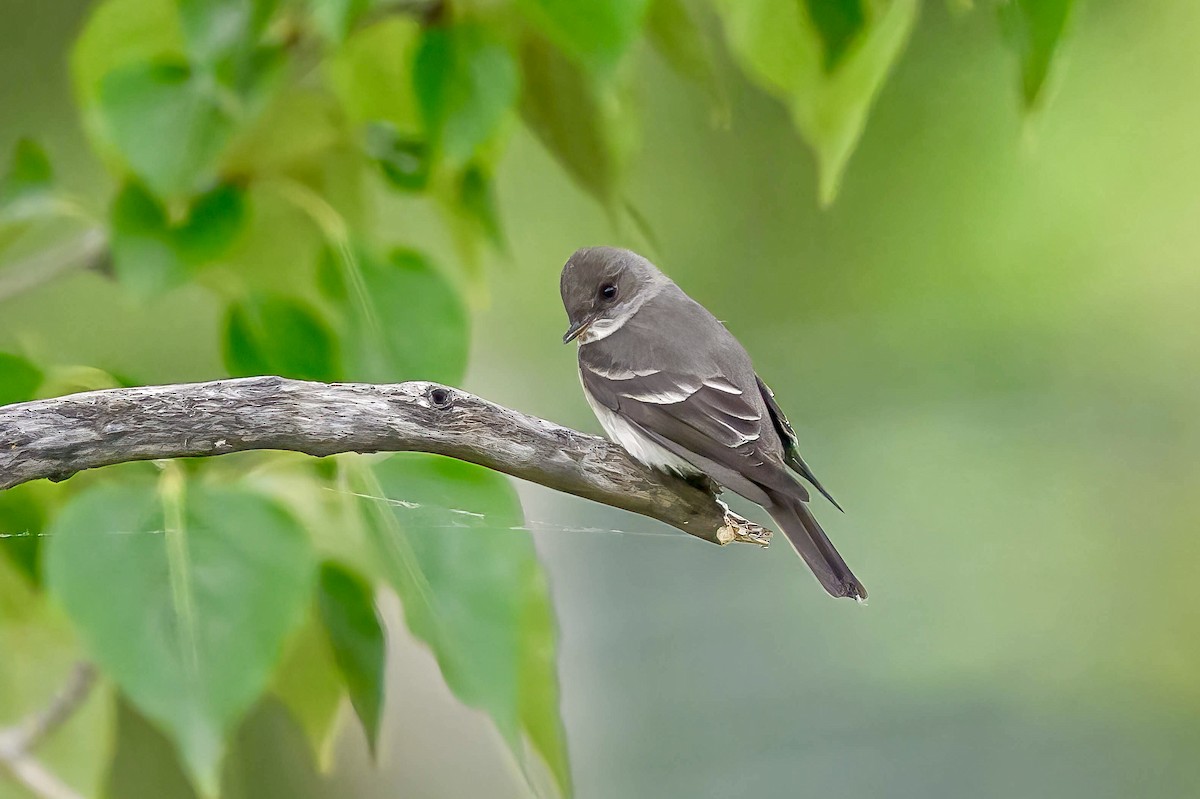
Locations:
column 739, row 528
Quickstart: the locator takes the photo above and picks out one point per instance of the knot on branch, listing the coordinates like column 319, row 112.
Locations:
column 439, row 397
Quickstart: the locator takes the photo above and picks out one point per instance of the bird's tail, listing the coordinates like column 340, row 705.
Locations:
column 808, row 539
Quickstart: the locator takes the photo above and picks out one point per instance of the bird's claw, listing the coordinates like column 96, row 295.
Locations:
column 739, row 528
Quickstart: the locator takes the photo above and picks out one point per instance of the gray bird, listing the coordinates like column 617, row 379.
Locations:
column 673, row 387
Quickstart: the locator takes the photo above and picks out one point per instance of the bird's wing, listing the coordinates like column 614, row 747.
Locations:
column 791, row 446
column 707, row 421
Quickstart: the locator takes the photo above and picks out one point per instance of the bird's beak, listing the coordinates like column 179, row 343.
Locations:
column 576, row 329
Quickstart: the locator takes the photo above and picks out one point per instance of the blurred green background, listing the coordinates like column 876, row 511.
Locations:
column 987, row 344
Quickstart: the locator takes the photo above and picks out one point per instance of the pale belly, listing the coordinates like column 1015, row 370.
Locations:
column 636, row 443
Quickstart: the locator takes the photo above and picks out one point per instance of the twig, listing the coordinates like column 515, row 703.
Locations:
column 88, row 251
column 18, row 742
column 55, row 438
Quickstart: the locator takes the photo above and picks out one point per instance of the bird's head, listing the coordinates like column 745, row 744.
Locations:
column 602, row 287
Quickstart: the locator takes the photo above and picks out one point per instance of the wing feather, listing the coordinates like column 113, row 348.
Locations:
column 719, row 432
column 791, row 445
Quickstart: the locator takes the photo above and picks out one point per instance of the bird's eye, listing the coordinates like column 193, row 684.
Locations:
column 608, row 291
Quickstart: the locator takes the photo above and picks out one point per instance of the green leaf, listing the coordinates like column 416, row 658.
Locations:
column 119, row 33
column 336, row 18
column 19, row 379
column 267, row 759
column 26, row 185
column 144, row 257
column 466, row 83
column 596, row 33
column 270, row 759
column 404, row 160
column 838, row 22
column 477, row 199
column 22, row 521
column 310, row 686
column 539, row 694
column 291, row 133
column 224, row 43
column 674, row 32
column 221, row 29
column 212, row 225
column 75, row 379
column 372, row 75
column 468, row 205
column 167, row 123
column 562, row 106
column 454, row 549
column 780, row 48
column 152, row 254
column 144, row 764
column 355, row 630
column 270, row 334
column 200, row 591
column 1034, row 30
column 401, row 319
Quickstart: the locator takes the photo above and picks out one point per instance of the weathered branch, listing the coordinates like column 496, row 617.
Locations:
column 18, row 742
column 54, row 438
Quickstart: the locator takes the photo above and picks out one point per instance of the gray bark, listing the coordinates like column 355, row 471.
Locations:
column 55, row 438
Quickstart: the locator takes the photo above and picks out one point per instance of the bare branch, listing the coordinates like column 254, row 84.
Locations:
column 18, row 742
column 88, row 251
column 55, row 438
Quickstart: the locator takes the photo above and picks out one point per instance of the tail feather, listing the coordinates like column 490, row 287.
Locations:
column 810, row 541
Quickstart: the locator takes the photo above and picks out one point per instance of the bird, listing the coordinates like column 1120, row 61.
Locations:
column 673, row 387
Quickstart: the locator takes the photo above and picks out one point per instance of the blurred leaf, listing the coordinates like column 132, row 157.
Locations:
column 168, row 125
column 538, row 705
column 19, row 379
column 22, row 519
column 468, row 205
column 403, row 160
column 839, row 23
column 401, row 319
column 473, row 590
column 310, row 686
column 73, row 379
column 673, row 31
column 151, row 254
column 372, row 75
column 270, row 334
column 218, row 30
column 27, row 183
column 779, row 47
column 200, row 592
column 355, row 630
column 267, row 758
column 596, row 33
column 1034, row 29
column 144, row 256
column 465, row 82
column 215, row 220
column 336, row 18
column 476, row 197
column 40, row 652
column 119, row 33
column 561, row 106
column 144, row 763
column 270, row 759
column 294, row 129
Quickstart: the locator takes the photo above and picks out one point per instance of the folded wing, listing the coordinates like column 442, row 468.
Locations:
column 707, row 421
